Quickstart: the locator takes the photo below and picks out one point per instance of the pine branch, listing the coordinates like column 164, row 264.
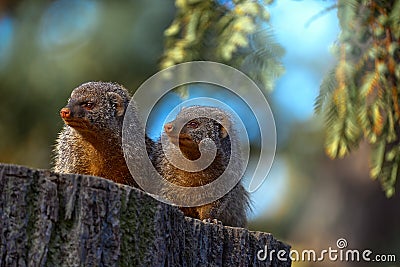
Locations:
column 360, row 97
column 232, row 33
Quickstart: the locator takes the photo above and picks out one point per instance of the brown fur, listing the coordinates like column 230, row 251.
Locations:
column 231, row 208
column 90, row 142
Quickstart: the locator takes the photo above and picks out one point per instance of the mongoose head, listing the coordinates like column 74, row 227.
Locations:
column 96, row 108
column 195, row 130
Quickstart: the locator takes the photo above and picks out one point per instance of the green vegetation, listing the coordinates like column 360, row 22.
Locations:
column 360, row 97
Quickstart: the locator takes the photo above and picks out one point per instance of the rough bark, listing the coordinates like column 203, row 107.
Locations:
column 48, row 219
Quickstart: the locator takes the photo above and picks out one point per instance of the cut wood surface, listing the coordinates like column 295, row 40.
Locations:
column 50, row 219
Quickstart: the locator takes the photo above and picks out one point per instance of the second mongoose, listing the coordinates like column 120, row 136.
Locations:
column 231, row 208
column 91, row 140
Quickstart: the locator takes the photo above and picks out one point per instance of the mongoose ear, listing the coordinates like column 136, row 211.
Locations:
column 117, row 102
column 225, row 128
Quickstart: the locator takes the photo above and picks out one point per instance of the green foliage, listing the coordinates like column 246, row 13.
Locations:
column 360, row 97
column 236, row 36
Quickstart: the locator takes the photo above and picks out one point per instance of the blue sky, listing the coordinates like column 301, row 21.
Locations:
column 307, row 60
column 307, row 56
column 6, row 29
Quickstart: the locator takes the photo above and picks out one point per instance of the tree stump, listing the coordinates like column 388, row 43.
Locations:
column 50, row 219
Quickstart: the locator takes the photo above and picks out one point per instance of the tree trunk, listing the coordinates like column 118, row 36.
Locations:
column 48, row 219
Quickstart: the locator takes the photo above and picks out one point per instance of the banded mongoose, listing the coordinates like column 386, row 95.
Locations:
column 91, row 140
column 231, row 208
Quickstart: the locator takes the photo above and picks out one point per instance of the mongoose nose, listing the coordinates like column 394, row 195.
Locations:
column 168, row 127
column 65, row 113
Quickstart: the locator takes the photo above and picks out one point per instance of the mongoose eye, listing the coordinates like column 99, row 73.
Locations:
column 88, row 105
column 192, row 124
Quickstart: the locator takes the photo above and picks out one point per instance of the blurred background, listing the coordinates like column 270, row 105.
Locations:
column 47, row 48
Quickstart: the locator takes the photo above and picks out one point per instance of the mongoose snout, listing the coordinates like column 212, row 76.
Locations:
column 76, row 115
column 168, row 127
column 65, row 113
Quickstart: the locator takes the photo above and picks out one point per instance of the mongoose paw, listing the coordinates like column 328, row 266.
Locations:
column 214, row 221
